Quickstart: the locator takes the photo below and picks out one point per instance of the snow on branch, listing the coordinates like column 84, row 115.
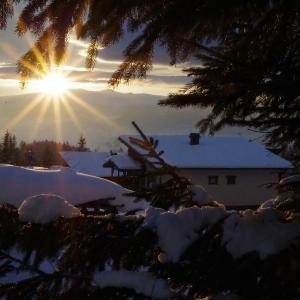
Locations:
column 142, row 282
column 265, row 232
column 46, row 208
column 177, row 231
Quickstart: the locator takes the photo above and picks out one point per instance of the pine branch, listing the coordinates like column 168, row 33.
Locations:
column 21, row 263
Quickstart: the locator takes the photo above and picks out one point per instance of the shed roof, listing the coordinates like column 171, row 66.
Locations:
column 122, row 161
column 87, row 162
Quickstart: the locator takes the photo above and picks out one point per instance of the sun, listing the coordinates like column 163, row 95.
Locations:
column 53, row 84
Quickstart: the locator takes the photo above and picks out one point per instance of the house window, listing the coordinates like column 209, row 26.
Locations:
column 213, row 179
column 231, row 179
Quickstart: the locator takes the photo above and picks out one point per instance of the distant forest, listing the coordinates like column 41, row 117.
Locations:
column 37, row 153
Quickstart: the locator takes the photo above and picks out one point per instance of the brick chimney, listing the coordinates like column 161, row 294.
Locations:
column 194, row 138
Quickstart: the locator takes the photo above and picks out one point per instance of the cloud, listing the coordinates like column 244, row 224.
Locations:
column 5, row 65
column 161, row 80
column 8, row 71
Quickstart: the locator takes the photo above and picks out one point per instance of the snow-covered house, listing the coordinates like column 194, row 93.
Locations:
column 233, row 170
column 87, row 162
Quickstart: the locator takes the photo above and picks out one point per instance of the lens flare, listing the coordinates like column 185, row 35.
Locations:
column 53, row 84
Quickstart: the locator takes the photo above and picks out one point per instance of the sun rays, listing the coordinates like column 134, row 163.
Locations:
column 55, row 89
column 62, row 107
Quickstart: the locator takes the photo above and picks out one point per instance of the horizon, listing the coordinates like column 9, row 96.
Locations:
column 101, row 133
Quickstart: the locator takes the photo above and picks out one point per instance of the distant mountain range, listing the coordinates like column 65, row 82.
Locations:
column 112, row 115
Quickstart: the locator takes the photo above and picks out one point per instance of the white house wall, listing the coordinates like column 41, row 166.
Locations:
column 248, row 190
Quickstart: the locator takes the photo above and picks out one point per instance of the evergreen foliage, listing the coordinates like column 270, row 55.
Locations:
column 82, row 144
column 290, row 192
column 9, row 150
column 48, row 157
column 252, row 78
column 80, row 247
column 6, row 11
column 38, row 153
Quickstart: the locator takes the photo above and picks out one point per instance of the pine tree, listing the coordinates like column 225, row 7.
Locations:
column 6, row 148
column 66, row 146
column 29, row 157
column 22, row 154
column 251, row 86
column 48, row 156
column 13, row 151
column 82, row 144
column 1, row 157
column 16, row 157
column 6, row 11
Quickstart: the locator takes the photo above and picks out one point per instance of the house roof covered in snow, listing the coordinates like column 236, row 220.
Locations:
column 87, row 162
column 122, row 161
column 212, row 152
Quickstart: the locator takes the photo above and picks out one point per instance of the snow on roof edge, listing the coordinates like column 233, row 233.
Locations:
column 87, row 162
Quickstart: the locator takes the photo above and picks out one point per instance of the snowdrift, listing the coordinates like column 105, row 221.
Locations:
column 45, row 208
column 18, row 184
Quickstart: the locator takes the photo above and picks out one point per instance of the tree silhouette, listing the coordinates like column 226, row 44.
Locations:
column 9, row 150
column 48, row 156
column 82, row 144
column 6, row 10
column 6, row 148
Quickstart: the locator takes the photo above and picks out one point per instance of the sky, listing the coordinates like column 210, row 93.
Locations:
column 162, row 80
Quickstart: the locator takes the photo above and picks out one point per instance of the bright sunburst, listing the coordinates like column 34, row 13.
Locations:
column 54, row 92
column 53, row 84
